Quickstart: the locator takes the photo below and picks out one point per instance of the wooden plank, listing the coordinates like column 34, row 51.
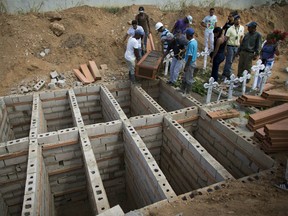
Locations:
column 94, row 70
column 269, row 113
column 81, row 77
column 86, row 72
column 150, row 43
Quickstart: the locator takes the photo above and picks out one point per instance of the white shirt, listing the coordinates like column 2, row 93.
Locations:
column 234, row 35
column 131, row 32
column 210, row 23
column 131, row 45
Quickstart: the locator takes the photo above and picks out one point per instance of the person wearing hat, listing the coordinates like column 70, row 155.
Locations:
column 190, row 61
column 209, row 22
column 159, row 27
column 177, row 44
column 131, row 32
column 249, row 48
column 182, row 24
column 143, row 20
column 132, row 53
column 230, row 21
column 234, row 36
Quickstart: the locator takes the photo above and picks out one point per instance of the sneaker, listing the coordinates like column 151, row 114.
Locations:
column 283, row 186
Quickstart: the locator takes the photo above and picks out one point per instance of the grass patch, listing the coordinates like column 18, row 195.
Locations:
column 112, row 10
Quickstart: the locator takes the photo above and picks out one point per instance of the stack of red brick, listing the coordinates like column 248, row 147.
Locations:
column 271, row 127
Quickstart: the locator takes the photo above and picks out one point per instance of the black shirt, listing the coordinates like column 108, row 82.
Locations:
column 227, row 26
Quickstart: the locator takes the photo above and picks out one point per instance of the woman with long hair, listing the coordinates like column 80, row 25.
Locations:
column 218, row 55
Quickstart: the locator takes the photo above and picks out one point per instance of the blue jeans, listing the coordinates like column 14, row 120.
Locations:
column 188, row 75
column 231, row 52
column 218, row 59
column 175, row 67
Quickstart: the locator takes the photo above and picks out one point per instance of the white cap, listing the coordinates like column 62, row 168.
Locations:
column 158, row 26
column 189, row 18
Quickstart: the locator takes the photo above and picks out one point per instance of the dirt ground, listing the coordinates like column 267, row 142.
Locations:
column 97, row 34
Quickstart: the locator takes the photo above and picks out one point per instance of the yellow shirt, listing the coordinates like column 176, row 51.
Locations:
column 234, row 34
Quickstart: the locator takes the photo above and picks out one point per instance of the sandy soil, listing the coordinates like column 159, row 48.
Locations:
column 96, row 34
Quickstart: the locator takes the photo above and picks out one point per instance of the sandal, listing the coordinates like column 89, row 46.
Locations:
column 283, row 186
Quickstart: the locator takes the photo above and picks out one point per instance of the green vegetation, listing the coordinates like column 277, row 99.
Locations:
column 112, row 10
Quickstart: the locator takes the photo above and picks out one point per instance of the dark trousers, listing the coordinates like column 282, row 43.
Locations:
column 218, row 59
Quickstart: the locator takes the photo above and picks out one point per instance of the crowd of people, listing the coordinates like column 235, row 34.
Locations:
column 223, row 43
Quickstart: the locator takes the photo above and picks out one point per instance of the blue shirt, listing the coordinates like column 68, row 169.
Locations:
column 191, row 50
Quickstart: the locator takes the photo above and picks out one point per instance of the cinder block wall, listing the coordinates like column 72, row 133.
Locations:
column 3, row 206
column 186, row 164
column 150, row 129
column 89, row 102
column 108, row 147
column 13, row 167
column 122, row 93
column 187, row 118
column 57, row 112
column 236, row 152
column 19, row 109
column 64, row 163
column 6, row 133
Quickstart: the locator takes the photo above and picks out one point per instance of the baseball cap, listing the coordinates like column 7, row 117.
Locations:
column 236, row 16
column 189, row 31
column 189, row 18
column 139, row 32
column 252, row 24
column 141, row 9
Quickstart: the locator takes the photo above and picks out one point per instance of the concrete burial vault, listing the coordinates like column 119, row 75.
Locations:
column 113, row 148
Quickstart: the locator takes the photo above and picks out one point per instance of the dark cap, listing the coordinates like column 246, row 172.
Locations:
column 141, row 8
column 236, row 16
column 189, row 31
column 252, row 24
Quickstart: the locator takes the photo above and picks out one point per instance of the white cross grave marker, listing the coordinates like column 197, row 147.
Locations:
column 259, row 66
column 210, row 86
column 264, row 75
column 243, row 79
column 167, row 60
column 205, row 53
column 231, row 82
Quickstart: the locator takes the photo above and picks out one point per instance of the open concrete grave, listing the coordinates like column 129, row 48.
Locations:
column 92, row 148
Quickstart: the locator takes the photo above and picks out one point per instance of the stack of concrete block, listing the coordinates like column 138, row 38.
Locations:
column 19, row 109
column 97, row 194
column 143, row 175
column 13, row 166
column 121, row 92
column 88, row 99
column 236, row 152
column 179, row 147
column 6, row 133
column 142, row 103
column 187, row 118
column 149, row 128
column 56, row 110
